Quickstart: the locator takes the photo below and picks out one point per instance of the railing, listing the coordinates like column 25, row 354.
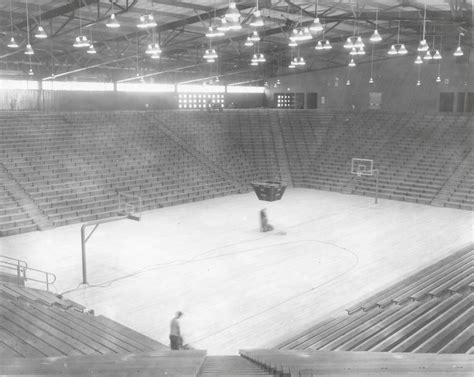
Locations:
column 24, row 273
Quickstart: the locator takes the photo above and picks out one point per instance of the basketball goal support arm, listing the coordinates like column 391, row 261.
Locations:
column 85, row 238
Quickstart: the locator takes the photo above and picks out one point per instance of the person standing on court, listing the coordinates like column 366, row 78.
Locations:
column 176, row 340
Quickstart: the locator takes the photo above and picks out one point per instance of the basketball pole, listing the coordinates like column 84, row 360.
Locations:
column 376, row 171
column 85, row 238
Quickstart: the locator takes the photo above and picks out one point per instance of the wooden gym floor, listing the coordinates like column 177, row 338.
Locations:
column 240, row 288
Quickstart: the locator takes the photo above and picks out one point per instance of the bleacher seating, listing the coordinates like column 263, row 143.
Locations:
column 59, row 169
column 158, row 364
column 37, row 323
column 428, row 312
column 296, row 363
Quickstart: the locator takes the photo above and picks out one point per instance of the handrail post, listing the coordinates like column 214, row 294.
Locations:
column 18, row 271
column 83, row 246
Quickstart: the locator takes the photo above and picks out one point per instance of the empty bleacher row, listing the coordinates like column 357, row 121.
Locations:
column 59, row 169
column 296, row 363
column 431, row 311
column 37, row 323
column 145, row 364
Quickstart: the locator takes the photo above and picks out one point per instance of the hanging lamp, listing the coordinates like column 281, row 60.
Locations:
column 81, row 40
column 91, row 50
column 112, row 23
column 232, row 13
column 457, row 52
column 40, row 33
column 28, row 49
column 12, row 43
column 423, row 45
column 376, row 37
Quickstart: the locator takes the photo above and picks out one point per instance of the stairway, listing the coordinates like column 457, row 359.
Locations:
column 230, row 366
column 28, row 205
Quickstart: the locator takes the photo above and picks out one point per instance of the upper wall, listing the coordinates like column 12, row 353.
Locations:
column 395, row 78
column 43, row 100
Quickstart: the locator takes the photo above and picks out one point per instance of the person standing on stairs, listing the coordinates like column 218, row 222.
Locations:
column 176, row 340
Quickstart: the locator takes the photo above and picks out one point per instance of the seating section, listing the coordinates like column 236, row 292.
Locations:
column 428, row 312
column 72, row 166
column 216, row 137
column 296, row 363
column 157, row 364
column 59, row 169
column 36, row 323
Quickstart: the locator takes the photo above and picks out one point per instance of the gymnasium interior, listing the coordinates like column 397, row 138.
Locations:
column 296, row 177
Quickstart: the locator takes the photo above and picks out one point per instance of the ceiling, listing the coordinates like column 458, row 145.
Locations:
column 181, row 28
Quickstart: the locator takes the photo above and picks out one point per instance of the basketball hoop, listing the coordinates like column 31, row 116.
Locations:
column 365, row 167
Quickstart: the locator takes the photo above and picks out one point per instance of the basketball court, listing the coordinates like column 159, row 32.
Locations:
column 238, row 287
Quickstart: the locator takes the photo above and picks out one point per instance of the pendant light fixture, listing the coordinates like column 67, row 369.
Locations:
column 147, row 21
column 224, row 25
column 398, row 48
column 292, row 43
column 213, row 32
column 418, row 60
column 254, row 37
column 28, row 49
column 232, row 14
column 248, row 42
column 210, row 54
column 256, row 19
column 30, row 71
column 81, row 40
column 349, row 44
column 418, row 82
column 113, row 23
column 457, row 52
column 12, row 43
column 91, row 49
column 423, row 46
column 371, row 79
column 433, row 54
column 40, row 33
column 300, row 33
column 316, row 26
column 323, row 44
column 438, row 78
column 376, row 37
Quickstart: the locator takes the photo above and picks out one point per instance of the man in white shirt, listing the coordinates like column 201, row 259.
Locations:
column 176, row 340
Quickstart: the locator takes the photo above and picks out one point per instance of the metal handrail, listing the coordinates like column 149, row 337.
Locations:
column 21, row 268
